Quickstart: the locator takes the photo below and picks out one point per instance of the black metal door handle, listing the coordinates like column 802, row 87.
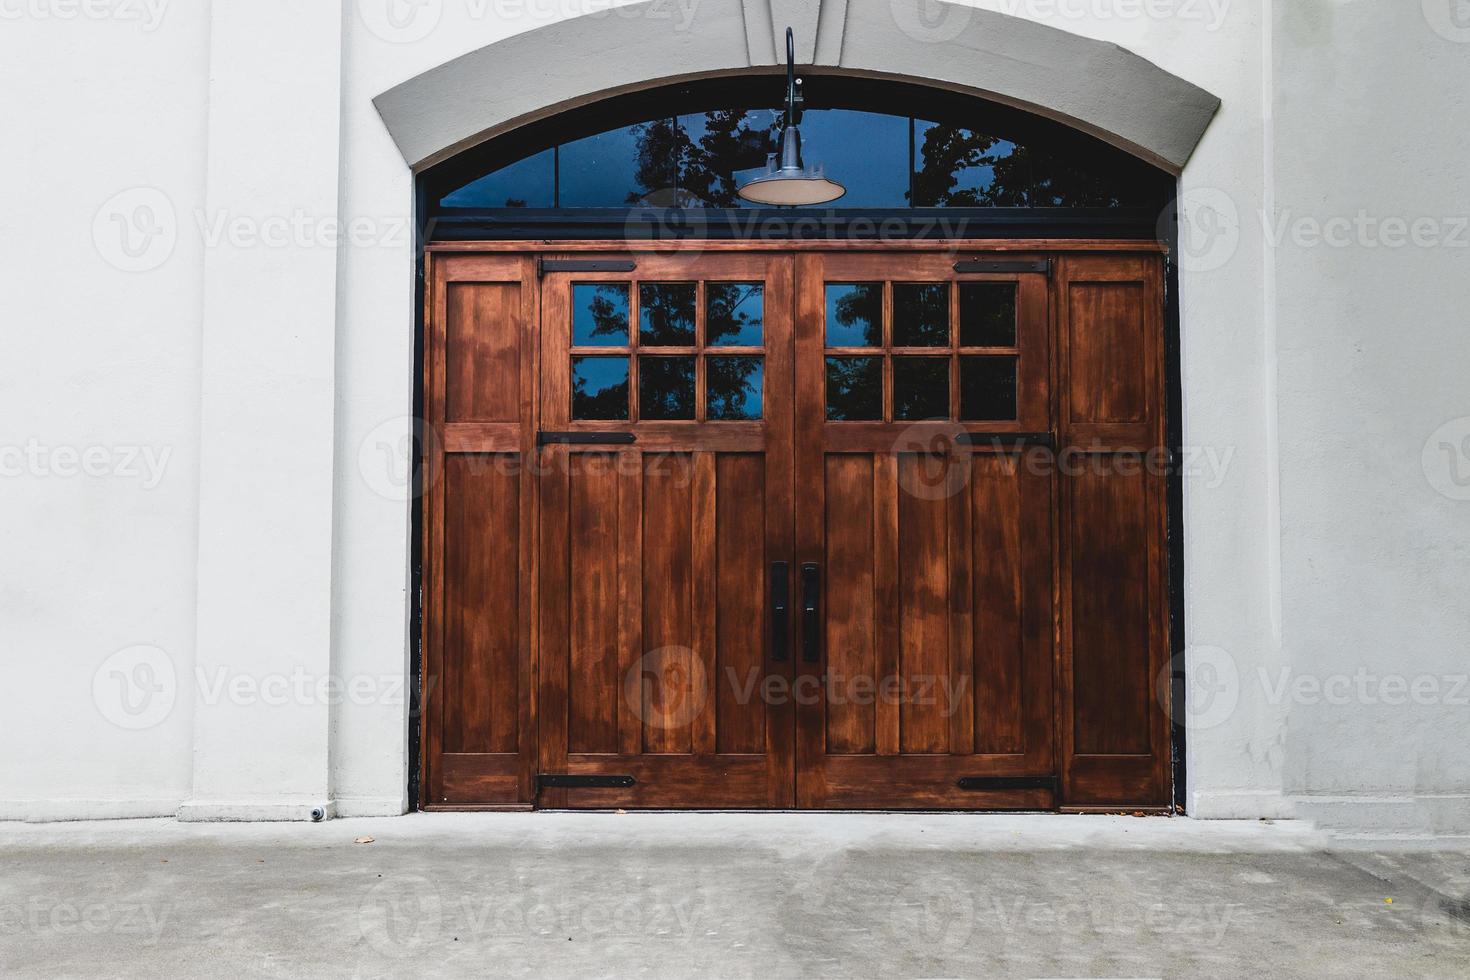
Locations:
column 811, row 618
column 780, row 611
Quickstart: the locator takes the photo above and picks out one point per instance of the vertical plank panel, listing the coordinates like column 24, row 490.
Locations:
column 887, row 721
column 593, row 605
column 740, row 615
column 999, row 648
column 630, row 598
column 554, row 570
column 668, row 624
column 923, row 614
column 957, row 695
column 850, row 601
column 702, row 545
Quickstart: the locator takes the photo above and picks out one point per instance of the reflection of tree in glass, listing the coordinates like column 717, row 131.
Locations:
column 666, row 314
column 862, row 304
column 920, row 314
column 948, row 151
column 1020, row 176
column 734, row 385
column 608, row 309
column 735, row 312
column 854, row 388
column 657, row 148
column 666, row 387
column 593, row 397
column 703, row 170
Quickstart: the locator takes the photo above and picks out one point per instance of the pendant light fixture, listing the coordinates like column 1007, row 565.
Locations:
column 786, row 182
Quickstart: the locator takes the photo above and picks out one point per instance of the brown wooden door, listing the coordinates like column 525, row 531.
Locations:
column 953, row 458
column 930, row 560
column 656, row 555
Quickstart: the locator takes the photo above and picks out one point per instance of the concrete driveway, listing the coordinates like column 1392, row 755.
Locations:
column 761, row 895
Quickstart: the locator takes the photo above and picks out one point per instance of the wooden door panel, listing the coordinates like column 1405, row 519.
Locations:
column 937, row 563
column 655, row 653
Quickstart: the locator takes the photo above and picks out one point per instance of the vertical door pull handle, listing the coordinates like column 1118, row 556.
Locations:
column 780, row 611
column 811, row 612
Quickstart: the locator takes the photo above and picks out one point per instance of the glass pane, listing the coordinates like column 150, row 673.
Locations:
column 920, row 314
column 920, row 388
column 528, row 183
column 987, row 314
column 854, row 389
column 866, row 152
column 600, row 314
column 854, row 314
column 666, row 314
column 721, row 149
column 665, row 388
column 955, row 167
column 734, row 313
column 987, row 389
column 619, row 168
column 733, row 388
column 599, row 387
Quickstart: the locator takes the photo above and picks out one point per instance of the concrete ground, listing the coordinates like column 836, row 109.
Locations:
column 723, row 895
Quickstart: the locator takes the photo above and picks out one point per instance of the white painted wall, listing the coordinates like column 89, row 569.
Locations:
column 1321, row 549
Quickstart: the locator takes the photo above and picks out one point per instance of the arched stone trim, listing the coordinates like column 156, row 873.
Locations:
column 1095, row 86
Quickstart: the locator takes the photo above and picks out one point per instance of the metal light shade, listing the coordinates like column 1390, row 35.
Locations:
column 788, row 183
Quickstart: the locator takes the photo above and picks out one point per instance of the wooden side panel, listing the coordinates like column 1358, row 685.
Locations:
column 1114, row 610
column 1110, row 371
column 483, row 352
column 479, row 713
column 1110, row 614
column 481, row 592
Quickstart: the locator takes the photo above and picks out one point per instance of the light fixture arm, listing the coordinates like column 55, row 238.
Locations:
column 793, row 85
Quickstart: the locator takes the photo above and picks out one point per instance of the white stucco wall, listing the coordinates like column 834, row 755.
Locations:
column 1313, row 376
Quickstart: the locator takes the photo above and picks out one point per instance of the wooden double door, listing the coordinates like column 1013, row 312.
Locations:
column 719, row 527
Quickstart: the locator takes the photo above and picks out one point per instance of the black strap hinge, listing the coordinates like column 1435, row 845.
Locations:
column 561, row 780
column 1043, row 266
column 544, row 438
column 1001, row 783
column 543, row 266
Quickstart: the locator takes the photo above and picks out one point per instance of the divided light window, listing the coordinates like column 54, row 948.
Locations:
column 893, row 146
